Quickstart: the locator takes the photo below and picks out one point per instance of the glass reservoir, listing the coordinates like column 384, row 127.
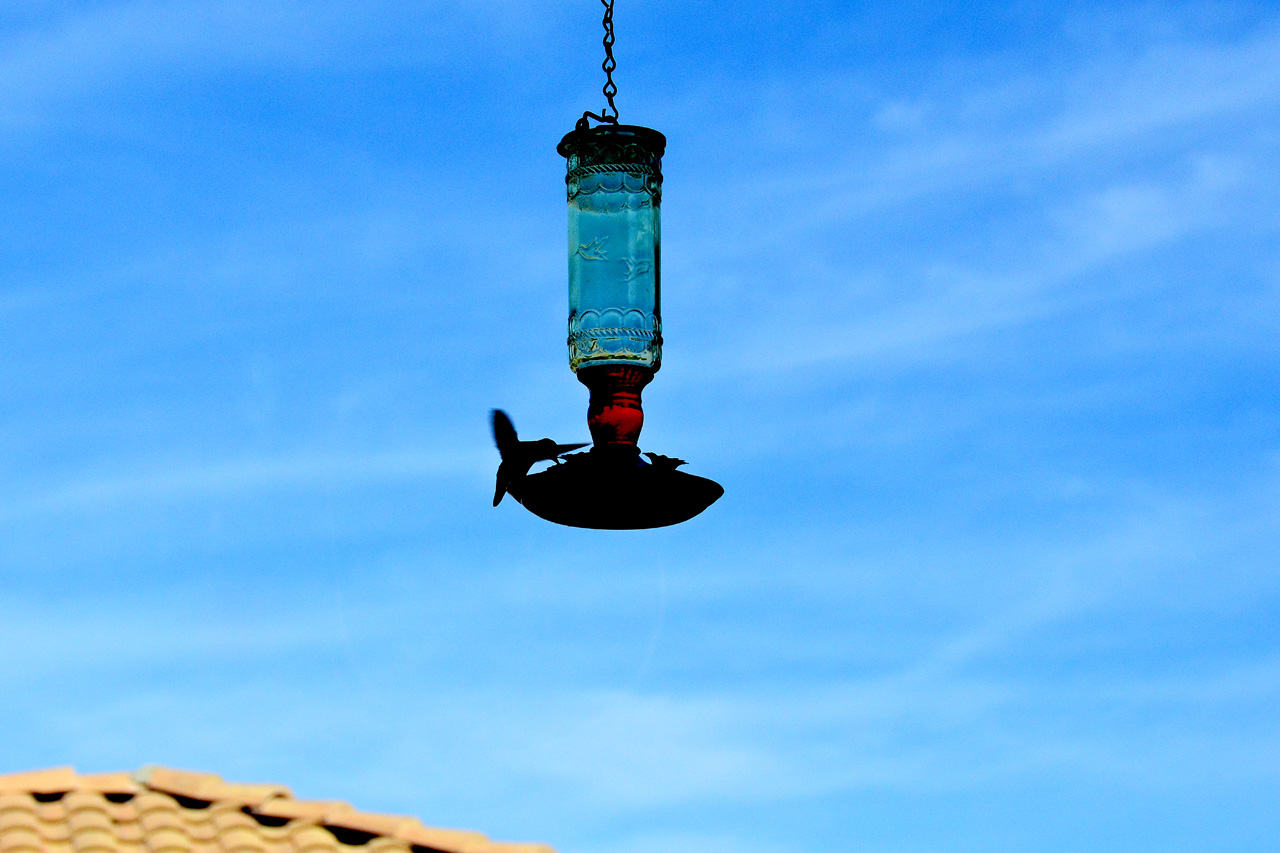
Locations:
column 614, row 183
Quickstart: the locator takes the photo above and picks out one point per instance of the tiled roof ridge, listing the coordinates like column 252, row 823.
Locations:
column 271, row 802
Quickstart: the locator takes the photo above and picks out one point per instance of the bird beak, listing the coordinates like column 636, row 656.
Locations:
column 565, row 448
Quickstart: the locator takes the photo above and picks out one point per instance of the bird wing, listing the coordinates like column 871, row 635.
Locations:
column 504, row 433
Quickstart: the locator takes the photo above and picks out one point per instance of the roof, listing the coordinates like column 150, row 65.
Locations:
column 158, row 810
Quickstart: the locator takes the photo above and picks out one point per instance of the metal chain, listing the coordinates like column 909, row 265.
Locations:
column 610, row 88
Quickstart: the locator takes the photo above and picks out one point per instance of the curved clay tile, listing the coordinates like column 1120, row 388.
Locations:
column 161, row 810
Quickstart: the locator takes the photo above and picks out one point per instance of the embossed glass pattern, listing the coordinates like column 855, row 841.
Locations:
column 615, row 191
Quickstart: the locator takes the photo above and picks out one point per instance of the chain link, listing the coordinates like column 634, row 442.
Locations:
column 610, row 113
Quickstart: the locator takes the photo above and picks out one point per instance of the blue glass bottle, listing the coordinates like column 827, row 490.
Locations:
column 614, row 182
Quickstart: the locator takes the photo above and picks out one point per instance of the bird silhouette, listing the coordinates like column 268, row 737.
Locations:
column 668, row 463
column 518, row 456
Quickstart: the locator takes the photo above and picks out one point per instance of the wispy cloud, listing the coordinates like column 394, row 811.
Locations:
column 87, row 51
column 290, row 471
column 1081, row 170
column 980, row 131
column 948, row 717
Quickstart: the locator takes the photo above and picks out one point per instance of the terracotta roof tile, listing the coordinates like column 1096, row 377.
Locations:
column 446, row 839
column 313, row 838
column 206, row 786
column 161, row 810
column 108, row 783
column 318, row 811
column 375, row 824
column 40, row 781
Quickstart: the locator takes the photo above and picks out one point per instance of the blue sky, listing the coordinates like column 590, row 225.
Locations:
column 972, row 308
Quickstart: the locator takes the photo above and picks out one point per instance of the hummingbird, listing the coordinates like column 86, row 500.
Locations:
column 667, row 463
column 518, row 456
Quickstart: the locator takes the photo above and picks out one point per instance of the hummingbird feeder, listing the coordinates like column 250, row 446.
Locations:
column 614, row 182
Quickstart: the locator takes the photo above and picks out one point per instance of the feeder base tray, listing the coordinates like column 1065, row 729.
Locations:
column 605, row 491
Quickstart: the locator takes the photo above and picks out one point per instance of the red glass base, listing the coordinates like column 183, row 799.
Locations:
column 615, row 414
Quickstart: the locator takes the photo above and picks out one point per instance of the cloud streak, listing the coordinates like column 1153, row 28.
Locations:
column 88, row 52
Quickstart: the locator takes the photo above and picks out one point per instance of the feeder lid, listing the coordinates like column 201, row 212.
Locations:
column 652, row 142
